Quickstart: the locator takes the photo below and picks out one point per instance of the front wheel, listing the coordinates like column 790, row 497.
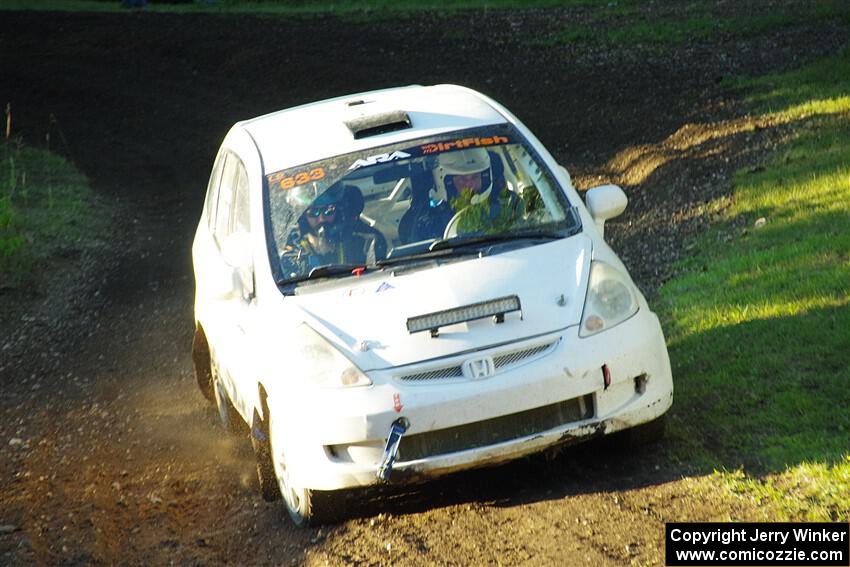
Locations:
column 263, row 455
column 306, row 507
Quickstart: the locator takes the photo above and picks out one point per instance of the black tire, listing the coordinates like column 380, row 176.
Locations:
column 318, row 508
column 269, row 488
column 227, row 414
column 201, row 364
column 325, row 507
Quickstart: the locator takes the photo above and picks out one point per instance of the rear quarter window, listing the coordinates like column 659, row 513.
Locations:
column 212, row 190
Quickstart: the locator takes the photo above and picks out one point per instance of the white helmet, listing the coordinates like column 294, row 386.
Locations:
column 462, row 162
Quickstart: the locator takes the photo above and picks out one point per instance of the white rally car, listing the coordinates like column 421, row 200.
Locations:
column 400, row 284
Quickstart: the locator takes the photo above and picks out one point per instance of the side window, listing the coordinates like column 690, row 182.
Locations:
column 234, row 218
column 212, row 190
column 240, row 221
column 226, row 191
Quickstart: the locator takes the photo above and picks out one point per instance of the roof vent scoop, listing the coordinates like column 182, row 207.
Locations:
column 374, row 124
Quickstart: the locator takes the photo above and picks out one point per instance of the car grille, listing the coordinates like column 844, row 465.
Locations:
column 504, row 361
column 513, row 358
column 438, row 374
column 493, row 431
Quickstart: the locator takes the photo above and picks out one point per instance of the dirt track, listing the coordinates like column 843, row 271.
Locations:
column 108, row 454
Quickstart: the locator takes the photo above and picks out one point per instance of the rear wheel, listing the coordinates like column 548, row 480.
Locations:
column 306, row 507
column 201, row 364
column 227, row 414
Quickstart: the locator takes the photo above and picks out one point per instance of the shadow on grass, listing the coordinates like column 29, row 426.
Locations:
column 764, row 395
column 781, row 267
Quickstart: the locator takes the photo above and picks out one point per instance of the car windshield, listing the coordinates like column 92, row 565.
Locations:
column 407, row 200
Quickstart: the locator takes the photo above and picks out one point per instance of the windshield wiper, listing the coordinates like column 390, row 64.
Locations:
column 423, row 256
column 327, row 271
column 459, row 241
column 448, row 247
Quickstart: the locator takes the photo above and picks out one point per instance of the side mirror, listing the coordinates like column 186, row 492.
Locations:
column 605, row 202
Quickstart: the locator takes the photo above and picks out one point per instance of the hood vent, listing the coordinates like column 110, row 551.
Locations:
column 375, row 124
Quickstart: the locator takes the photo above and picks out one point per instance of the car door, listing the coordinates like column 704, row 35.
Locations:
column 228, row 260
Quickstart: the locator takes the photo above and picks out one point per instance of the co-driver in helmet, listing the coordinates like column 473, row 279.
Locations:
column 330, row 230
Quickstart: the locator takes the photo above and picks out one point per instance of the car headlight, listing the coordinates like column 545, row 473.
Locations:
column 321, row 364
column 610, row 300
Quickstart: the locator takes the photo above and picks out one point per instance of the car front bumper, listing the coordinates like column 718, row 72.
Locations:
column 546, row 391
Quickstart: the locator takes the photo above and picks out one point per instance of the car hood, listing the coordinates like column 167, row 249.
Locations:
column 367, row 317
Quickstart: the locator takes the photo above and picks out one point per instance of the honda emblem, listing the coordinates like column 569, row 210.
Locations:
column 479, row 368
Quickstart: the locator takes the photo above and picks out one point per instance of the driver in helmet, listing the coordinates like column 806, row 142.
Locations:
column 465, row 175
column 330, row 230
column 473, row 183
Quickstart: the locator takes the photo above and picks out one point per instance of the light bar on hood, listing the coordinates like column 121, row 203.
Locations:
column 496, row 308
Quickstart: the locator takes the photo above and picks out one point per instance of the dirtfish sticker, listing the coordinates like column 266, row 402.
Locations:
column 380, row 158
column 463, row 144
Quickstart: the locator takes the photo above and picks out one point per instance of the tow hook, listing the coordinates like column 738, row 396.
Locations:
column 397, row 429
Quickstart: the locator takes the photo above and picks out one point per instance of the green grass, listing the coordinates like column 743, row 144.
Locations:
column 822, row 88
column 620, row 23
column 695, row 29
column 758, row 320
column 296, row 6
column 700, row 24
column 807, row 492
column 48, row 215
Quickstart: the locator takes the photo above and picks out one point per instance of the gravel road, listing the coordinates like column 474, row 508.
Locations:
column 108, row 454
